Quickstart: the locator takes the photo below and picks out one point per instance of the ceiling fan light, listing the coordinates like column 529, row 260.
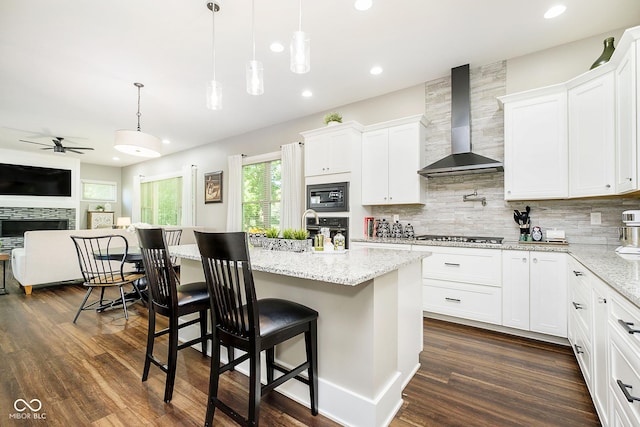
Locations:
column 214, row 95
column 137, row 143
column 300, row 53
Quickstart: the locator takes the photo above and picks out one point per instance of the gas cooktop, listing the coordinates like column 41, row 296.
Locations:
column 465, row 239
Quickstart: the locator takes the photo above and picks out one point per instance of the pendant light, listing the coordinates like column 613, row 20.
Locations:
column 214, row 89
column 135, row 142
column 255, row 70
column 300, row 49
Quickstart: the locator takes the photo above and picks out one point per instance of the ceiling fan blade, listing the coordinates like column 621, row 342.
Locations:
column 48, row 148
column 31, row 142
column 78, row 148
column 74, row 151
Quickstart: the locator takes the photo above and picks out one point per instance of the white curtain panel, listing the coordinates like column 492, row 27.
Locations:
column 234, row 194
column 189, row 173
column 292, row 198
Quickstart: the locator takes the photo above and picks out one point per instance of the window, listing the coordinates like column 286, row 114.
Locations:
column 161, row 201
column 103, row 191
column 261, row 183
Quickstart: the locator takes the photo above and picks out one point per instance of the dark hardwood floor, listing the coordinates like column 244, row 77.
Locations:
column 89, row 374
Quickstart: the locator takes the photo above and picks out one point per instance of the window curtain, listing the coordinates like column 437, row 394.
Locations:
column 189, row 173
column 292, row 198
column 234, row 194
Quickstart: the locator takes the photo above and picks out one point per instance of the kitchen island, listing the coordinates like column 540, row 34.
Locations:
column 369, row 328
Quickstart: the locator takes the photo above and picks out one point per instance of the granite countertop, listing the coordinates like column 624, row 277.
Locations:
column 351, row 268
column 621, row 273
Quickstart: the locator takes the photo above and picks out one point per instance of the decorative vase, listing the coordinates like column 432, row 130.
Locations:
column 332, row 123
column 606, row 53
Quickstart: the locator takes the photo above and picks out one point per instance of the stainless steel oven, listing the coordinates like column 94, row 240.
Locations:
column 328, row 197
column 334, row 224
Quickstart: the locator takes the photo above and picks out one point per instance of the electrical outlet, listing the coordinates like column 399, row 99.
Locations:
column 596, row 218
column 396, row 218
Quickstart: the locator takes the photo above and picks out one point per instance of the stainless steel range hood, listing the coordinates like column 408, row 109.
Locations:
column 461, row 160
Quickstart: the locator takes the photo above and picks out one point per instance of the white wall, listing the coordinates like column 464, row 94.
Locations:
column 557, row 64
column 100, row 173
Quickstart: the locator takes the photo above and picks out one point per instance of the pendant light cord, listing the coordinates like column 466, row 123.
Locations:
column 300, row 18
column 253, row 28
column 213, row 38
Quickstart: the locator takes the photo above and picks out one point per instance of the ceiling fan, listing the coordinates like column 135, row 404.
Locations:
column 58, row 147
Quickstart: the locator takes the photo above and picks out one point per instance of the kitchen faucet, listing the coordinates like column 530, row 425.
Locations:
column 304, row 214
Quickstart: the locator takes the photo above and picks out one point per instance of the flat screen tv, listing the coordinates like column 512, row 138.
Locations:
column 22, row 180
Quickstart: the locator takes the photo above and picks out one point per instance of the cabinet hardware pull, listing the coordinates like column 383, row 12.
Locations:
column 626, row 393
column 577, row 305
column 578, row 349
column 452, row 299
column 524, row 260
column 630, row 179
column 535, row 260
column 452, row 264
column 578, row 273
column 608, row 185
column 602, row 300
column 627, row 327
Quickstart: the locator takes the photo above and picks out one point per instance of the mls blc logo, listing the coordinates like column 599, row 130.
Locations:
column 33, row 405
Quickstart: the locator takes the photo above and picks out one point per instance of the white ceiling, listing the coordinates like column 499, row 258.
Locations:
column 67, row 67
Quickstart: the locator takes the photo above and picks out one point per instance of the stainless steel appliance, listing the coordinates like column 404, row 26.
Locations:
column 630, row 233
column 334, row 224
column 464, row 239
column 328, row 197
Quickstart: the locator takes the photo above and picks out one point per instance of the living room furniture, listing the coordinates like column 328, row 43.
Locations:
column 100, row 219
column 49, row 256
column 168, row 299
column 102, row 262
column 242, row 321
column 4, row 257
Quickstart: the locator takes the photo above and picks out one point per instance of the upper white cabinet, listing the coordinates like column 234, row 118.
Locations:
column 330, row 150
column 535, row 146
column 592, row 137
column 626, row 107
column 392, row 153
column 578, row 138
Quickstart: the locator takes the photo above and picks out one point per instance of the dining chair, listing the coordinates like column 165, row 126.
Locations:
column 172, row 236
column 251, row 325
column 170, row 299
column 102, row 261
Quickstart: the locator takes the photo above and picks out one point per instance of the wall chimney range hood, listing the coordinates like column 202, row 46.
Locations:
column 461, row 160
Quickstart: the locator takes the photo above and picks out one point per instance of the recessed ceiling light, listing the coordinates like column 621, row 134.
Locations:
column 276, row 47
column 555, row 11
column 375, row 70
column 166, row 141
column 363, row 4
column 115, row 158
column 307, row 93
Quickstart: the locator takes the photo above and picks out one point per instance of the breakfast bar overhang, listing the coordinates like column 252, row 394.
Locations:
column 369, row 330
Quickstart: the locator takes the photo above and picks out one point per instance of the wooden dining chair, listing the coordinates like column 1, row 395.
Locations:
column 170, row 299
column 251, row 325
column 173, row 236
column 102, row 261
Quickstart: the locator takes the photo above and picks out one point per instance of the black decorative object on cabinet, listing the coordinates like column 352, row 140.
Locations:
column 606, row 53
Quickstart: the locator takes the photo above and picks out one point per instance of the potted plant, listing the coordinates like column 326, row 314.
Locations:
column 271, row 240
column 294, row 240
column 332, row 119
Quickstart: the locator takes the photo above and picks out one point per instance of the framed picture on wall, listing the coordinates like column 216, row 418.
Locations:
column 213, row 187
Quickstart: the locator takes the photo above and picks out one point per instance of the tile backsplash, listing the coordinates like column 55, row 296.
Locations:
column 446, row 213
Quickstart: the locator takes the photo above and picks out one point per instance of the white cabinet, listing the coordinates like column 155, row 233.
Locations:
column 592, row 137
column 330, row 150
column 392, row 153
column 462, row 282
column 626, row 107
column 624, row 369
column 534, row 287
column 535, row 146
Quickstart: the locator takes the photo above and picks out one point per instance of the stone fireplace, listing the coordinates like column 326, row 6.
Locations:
column 14, row 221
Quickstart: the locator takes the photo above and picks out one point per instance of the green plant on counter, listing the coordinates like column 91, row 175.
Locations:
column 300, row 234
column 288, row 233
column 272, row 233
column 332, row 117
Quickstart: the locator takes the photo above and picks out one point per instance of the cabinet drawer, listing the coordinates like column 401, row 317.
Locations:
column 582, row 349
column 580, row 305
column 624, row 318
column 479, row 266
column 474, row 302
column 624, row 382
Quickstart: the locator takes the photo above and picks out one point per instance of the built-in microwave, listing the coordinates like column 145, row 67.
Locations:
column 328, row 197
